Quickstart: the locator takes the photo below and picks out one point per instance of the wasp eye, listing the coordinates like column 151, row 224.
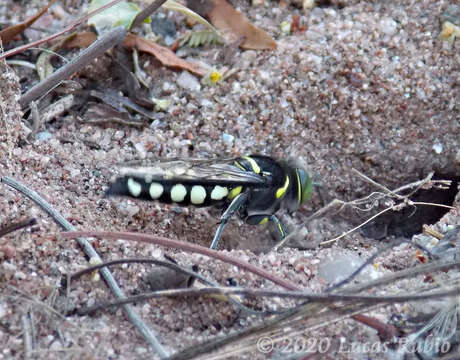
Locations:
column 305, row 185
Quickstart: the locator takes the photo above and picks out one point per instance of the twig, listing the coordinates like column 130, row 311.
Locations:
column 185, row 246
column 169, row 265
column 405, row 274
column 404, row 198
column 357, row 227
column 333, row 204
column 261, row 329
column 116, row 120
column 309, row 313
column 376, row 184
column 91, row 253
column 300, row 295
column 431, row 204
column 27, row 335
column 16, row 226
column 105, row 42
column 159, row 240
column 69, row 28
column 148, row 10
column 340, row 204
column 97, row 48
column 429, row 231
column 355, row 273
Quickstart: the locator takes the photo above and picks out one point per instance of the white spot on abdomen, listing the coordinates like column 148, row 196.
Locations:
column 219, row 192
column 156, row 190
column 134, row 187
column 197, row 195
column 178, row 193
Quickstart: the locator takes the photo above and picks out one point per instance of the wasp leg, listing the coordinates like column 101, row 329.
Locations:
column 279, row 227
column 263, row 219
column 234, row 206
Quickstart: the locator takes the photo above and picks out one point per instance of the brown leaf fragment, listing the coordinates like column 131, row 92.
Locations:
column 233, row 24
column 9, row 33
column 101, row 114
column 79, row 40
column 162, row 54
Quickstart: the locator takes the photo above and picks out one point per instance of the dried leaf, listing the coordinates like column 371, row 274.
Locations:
column 11, row 32
column 233, row 24
column 162, row 54
column 80, row 40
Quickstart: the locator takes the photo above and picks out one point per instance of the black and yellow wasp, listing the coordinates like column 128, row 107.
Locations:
column 255, row 187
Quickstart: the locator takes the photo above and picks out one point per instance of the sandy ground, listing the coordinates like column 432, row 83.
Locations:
column 367, row 85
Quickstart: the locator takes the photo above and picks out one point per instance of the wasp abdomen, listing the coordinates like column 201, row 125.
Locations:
column 170, row 191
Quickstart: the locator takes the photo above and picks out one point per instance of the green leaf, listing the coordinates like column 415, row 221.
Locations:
column 121, row 14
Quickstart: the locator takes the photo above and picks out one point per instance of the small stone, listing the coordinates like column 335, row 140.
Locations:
column 55, row 346
column 228, row 139
column 388, row 26
column 308, row 4
column 129, row 209
column 43, row 136
column 206, row 103
column 188, row 81
column 140, row 148
column 140, row 350
column 119, row 135
column 437, row 147
column 285, row 27
column 3, row 311
column 343, row 265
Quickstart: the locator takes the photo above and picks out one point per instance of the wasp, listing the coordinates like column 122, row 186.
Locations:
column 254, row 187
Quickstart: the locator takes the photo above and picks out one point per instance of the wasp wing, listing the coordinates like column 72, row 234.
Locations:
column 199, row 171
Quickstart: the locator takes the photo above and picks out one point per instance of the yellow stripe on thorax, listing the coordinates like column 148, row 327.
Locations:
column 253, row 163
column 236, row 163
column 282, row 190
column 299, row 189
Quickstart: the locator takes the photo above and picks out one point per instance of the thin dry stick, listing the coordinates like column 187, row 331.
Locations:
column 356, row 227
column 96, row 49
column 376, row 184
column 206, row 347
column 159, row 240
column 69, row 28
column 300, row 295
column 172, row 266
column 91, row 253
column 185, row 246
column 405, row 200
column 27, row 335
column 16, row 226
column 340, row 204
column 270, row 327
column 405, row 274
column 105, row 42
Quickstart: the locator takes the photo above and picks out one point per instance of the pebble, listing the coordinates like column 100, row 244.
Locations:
column 437, row 147
column 188, row 81
column 43, row 136
column 228, row 139
column 343, row 266
column 128, row 208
